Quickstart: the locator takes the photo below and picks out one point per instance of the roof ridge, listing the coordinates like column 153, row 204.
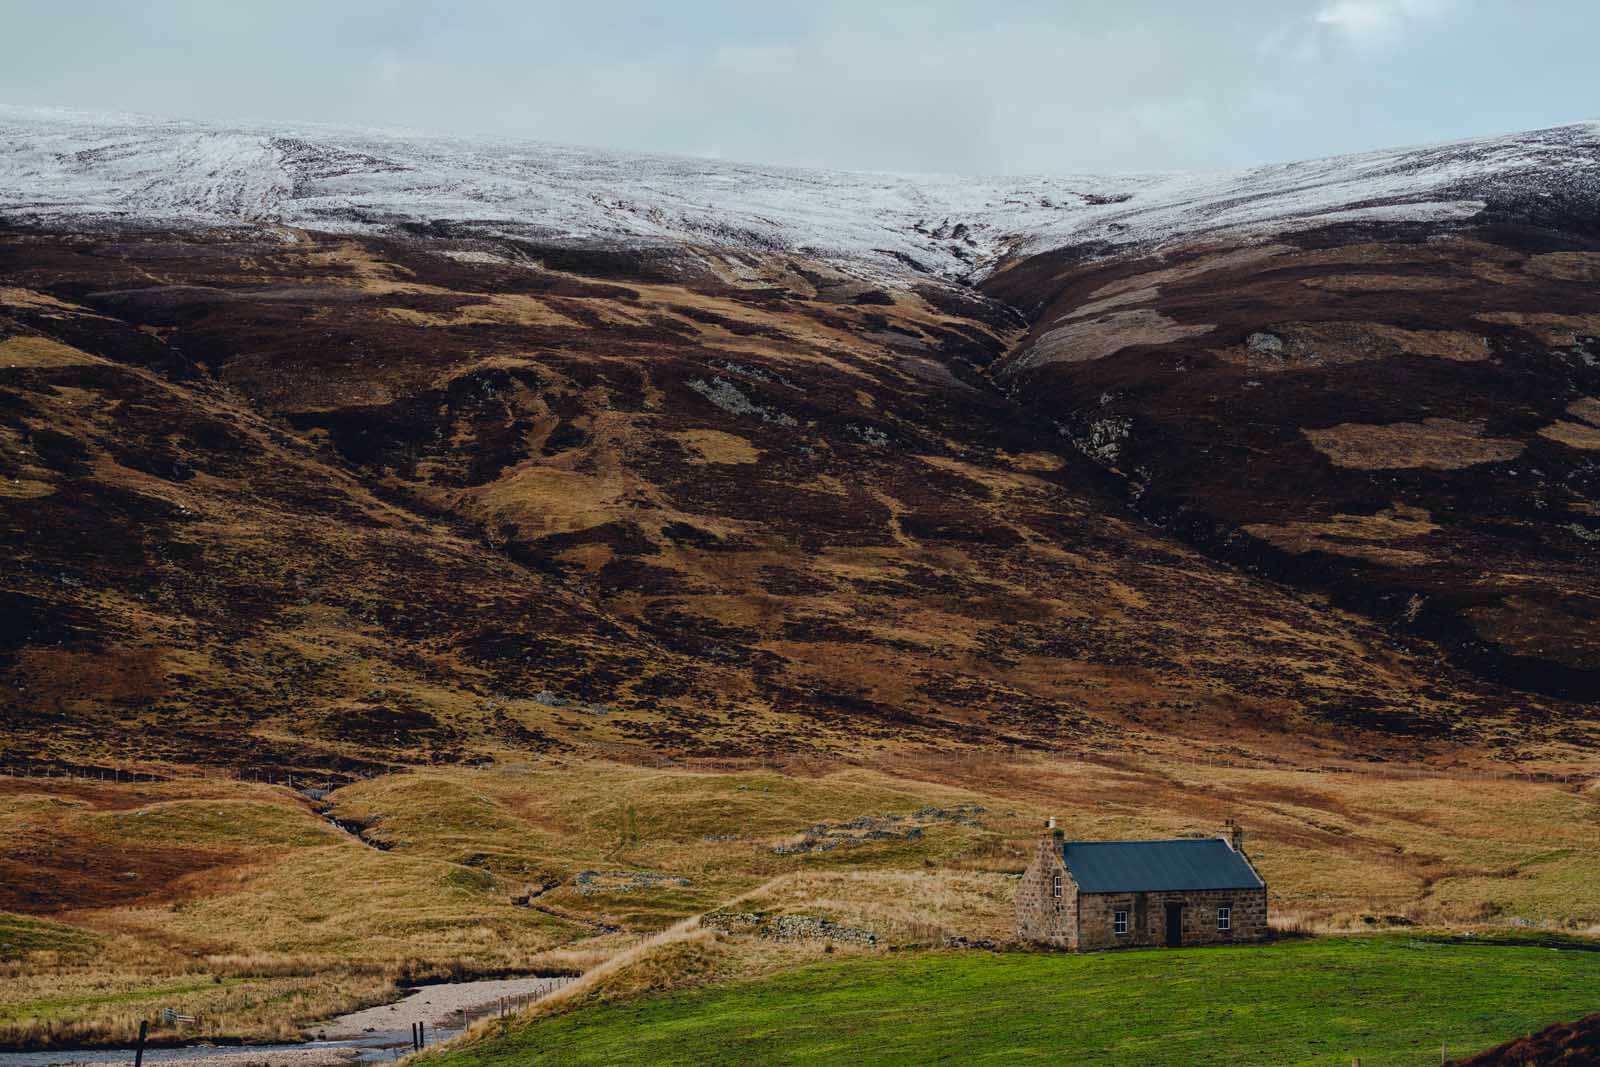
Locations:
column 1174, row 864
column 1152, row 841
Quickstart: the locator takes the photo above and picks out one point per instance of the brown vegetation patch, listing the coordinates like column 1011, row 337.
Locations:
column 1116, row 300
column 1561, row 628
column 1565, row 266
column 1295, row 346
column 1583, row 435
column 44, row 872
column 40, row 302
column 1569, row 1044
column 1552, row 329
column 1586, row 408
column 496, row 309
column 1092, row 339
column 1193, row 268
column 1573, row 434
column 1383, row 283
column 1365, row 537
column 715, row 446
column 126, row 673
column 1434, row 444
column 42, row 352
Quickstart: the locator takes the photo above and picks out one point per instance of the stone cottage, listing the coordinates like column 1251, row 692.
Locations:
column 1087, row 895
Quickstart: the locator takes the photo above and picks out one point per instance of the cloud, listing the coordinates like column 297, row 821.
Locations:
column 1369, row 21
column 972, row 86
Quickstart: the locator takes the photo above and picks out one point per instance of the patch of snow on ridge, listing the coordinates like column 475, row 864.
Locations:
column 110, row 168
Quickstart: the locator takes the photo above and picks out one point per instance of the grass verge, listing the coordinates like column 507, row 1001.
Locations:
column 1387, row 1000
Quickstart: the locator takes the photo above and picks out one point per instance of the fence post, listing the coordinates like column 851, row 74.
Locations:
column 138, row 1051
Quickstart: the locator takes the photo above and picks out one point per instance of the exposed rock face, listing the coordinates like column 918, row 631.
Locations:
column 787, row 927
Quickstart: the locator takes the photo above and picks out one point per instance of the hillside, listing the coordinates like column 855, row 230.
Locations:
column 515, row 451
column 639, row 537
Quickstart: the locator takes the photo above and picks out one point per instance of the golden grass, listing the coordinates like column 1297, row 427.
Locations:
column 1573, row 434
column 1586, row 408
column 11, row 296
column 1383, row 283
column 42, row 352
column 1565, row 266
column 716, row 446
column 297, row 929
column 1434, row 444
column 1315, row 344
column 246, row 823
column 1082, row 341
column 25, row 488
column 903, row 907
column 1368, row 537
column 1552, row 329
column 502, row 309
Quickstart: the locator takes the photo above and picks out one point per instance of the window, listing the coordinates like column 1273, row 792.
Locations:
column 1119, row 922
column 1055, row 886
column 1224, row 918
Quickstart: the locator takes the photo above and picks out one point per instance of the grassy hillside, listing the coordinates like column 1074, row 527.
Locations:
column 1390, row 1001
column 653, row 586
column 361, row 504
column 237, row 901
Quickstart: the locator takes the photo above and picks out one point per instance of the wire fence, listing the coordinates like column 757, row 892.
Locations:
column 315, row 781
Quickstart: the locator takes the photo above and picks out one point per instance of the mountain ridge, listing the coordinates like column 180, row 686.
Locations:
column 120, row 167
column 397, row 491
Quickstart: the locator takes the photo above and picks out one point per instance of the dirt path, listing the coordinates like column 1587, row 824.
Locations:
column 439, row 1006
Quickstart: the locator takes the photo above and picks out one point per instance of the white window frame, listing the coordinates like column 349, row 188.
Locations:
column 1225, row 919
column 1119, row 923
column 1056, row 885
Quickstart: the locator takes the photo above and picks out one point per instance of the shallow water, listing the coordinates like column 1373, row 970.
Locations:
column 374, row 1035
column 373, row 1048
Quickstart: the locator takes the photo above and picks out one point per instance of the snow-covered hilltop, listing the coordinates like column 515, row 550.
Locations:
column 111, row 168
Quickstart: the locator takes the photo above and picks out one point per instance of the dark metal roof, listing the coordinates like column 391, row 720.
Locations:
column 1152, row 866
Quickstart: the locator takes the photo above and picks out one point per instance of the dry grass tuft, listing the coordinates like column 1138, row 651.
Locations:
column 41, row 352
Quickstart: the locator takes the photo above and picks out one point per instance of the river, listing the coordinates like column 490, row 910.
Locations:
column 372, row 1035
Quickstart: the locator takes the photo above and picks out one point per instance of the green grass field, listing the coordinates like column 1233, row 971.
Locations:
column 1387, row 1000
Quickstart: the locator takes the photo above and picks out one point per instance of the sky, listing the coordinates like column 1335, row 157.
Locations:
column 951, row 86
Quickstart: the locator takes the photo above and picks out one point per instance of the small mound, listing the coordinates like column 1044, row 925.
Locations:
column 1574, row 1043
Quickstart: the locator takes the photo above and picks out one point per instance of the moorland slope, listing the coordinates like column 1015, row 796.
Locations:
column 1236, row 453
column 647, row 536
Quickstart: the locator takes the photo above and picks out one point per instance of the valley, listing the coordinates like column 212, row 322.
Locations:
column 435, row 561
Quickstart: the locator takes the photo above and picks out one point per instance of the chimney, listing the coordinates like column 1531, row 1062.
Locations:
column 1233, row 834
column 1055, row 831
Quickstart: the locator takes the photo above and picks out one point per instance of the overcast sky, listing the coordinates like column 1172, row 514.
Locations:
column 1000, row 86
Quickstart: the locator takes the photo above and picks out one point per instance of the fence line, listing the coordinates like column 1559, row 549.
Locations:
column 329, row 780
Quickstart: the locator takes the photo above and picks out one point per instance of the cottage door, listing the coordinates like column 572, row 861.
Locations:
column 1174, row 924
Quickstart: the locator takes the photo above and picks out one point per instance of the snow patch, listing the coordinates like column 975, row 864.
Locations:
column 111, row 168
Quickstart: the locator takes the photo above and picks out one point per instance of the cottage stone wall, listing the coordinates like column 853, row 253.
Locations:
column 1041, row 917
column 1147, row 917
column 1083, row 922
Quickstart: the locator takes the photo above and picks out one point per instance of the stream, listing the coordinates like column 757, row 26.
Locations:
column 373, row 1035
